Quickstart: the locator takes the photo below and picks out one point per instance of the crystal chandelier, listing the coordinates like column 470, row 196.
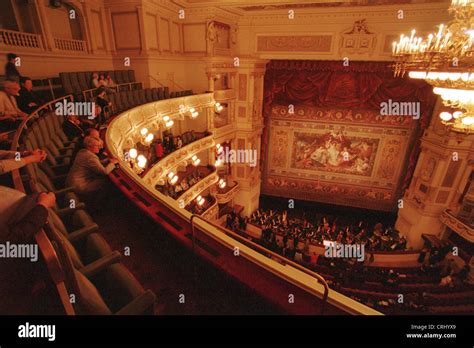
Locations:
column 446, row 61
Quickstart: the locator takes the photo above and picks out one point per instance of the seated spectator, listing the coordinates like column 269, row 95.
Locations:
column 110, row 82
column 72, row 127
column 11, row 72
column 26, row 100
column 178, row 143
column 159, row 151
column 88, row 173
column 103, row 103
column 102, row 81
column 9, row 160
column 95, row 80
column 10, row 115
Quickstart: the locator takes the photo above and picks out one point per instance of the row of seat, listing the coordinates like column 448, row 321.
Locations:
column 76, row 82
column 100, row 283
column 125, row 100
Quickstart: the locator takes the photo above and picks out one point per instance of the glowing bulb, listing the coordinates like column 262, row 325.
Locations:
column 144, row 131
column 417, row 74
column 133, row 153
column 142, row 164
column 468, row 120
column 141, row 158
column 194, row 114
column 192, row 110
column 169, row 124
column 174, row 180
column 149, row 138
column 445, row 116
column 218, row 162
column 170, row 175
column 457, row 114
column 166, row 118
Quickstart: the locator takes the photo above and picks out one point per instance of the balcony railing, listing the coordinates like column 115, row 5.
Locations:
column 226, row 195
column 20, row 39
column 161, row 168
column 70, row 45
column 458, row 226
column 223, row 95
column 198, row 188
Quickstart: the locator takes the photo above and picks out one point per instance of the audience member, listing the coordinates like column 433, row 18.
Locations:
column 88, row 173
column 11, row 72
column 110, row 82
column 103, row 103
column 95, row 80
column 72, row 127
column 10, row 115
column 26, row 100
column 11, row 160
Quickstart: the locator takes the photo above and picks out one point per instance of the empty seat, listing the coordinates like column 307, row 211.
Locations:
column 142, row 96
column 149, row 95
column 131, row 75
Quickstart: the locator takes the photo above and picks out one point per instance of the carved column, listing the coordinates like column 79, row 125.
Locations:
column 439, row 177
column 249, row 126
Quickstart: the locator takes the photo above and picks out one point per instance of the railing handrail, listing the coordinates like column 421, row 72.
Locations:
column 50, row 256
column 283, row 260
column 158, row 82
column 69, row 40
column 167, row 79
column 19, row 32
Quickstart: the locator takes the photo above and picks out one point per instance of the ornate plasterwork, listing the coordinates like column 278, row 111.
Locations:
column 358, row 39
column 465, row 231
column 294, row 43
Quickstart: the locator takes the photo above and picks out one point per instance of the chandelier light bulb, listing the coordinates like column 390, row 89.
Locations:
column 468, row 120
column 174, row 180
column 166, row 118
column 133, row 153
column 149, row 138
column 457, row 114
column 170, row 175
column 445, row 116
column 144, row 131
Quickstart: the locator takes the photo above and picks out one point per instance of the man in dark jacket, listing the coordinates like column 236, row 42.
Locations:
column 26, row 100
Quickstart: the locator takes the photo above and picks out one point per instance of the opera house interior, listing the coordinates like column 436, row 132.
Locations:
column 204, row 157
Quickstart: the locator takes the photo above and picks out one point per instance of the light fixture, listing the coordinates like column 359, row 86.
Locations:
column 219, row 107
column 133, row 153
column 218, row 162
column 219, row 148
column 193, row 113
column 445, row 61
column 149, row 139
column 144, row 132
column 200, row 200
column 222, row 183
column 195, row 160
column 172, row 178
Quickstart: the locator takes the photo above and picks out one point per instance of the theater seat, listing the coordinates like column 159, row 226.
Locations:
column 118, row 293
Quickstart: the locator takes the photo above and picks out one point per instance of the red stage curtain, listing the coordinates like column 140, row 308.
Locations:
column 361, row 85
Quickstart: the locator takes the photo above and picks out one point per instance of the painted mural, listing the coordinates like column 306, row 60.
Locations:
column 335, row 152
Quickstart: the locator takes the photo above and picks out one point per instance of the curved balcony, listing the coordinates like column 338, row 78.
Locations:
column 211, row 212
column 162, row 167
column 227, row 194
column 123, row 129
column 209, row 240
column 198, row 188
column 457, row 225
